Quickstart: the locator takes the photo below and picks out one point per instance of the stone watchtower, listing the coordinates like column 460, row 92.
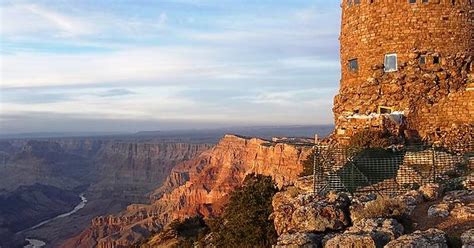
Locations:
column 407, row 66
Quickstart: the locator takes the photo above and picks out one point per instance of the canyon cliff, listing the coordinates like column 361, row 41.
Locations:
column 200, row 186
column 112, row 174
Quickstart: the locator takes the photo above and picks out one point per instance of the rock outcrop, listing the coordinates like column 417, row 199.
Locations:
column 307, row 213
column 299, row 240
column 211, row 177
column 134, row 169
column 467, row 239
column 458, row 204
column 302, row 219
column 430, row 238
column 367, row 233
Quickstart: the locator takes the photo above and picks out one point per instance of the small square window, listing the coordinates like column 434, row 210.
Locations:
column 412, row 1
column 390, row 63
column 422, row 60
column 353, row 65
column 435, row 60
column 385, row 110
column 425, row 1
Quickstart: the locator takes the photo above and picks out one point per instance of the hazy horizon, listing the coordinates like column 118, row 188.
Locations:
column 120, row 66
column 261, row 131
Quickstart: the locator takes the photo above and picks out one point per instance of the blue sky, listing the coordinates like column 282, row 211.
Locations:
column 135, row 65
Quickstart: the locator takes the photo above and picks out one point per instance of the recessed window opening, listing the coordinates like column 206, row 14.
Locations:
column 390, row 62
column 385, row 110
column 425, row 1
column 412, row 1
column 353, row 65
column 435, row 60
column 422, row 59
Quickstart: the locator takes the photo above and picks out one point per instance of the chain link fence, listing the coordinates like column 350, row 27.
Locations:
column 386, row 171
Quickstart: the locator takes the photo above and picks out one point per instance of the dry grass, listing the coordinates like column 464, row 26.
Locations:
column 379, row 208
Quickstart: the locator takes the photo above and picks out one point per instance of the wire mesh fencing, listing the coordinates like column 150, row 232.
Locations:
column 386, row 171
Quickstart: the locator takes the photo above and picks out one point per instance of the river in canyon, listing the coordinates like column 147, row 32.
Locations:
column 36, row 243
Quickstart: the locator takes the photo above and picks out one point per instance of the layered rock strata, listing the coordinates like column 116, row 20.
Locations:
column 112, row 173
column 210, row 176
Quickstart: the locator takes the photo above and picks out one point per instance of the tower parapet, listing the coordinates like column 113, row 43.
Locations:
column 403, row 56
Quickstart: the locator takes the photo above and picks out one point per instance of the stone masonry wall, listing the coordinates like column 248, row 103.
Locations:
column 419, row 34
column 371, row 30
column 450, row 120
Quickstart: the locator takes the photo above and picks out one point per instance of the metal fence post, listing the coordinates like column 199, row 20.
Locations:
column 315, row 147
column 433, row 161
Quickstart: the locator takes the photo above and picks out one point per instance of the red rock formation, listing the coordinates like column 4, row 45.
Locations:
column 201, row 186
column 135, row 169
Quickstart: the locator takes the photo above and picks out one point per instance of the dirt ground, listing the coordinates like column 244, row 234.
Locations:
column 452, row 226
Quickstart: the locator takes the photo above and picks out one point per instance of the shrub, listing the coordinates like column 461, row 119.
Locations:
column 245, row 222
column 308, row 164
column 454, row 241
column 179, row 233
column 190, row 230
column 369, row 139
column 379, row 208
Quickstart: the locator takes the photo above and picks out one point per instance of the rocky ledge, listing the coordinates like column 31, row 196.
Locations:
column 337, row 220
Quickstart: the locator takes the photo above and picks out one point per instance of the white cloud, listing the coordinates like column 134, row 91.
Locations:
column 147, row 64
column 150, row 64
column 28, row 19
column 151, row 59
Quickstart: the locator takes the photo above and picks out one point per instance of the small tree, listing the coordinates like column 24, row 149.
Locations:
column 245, row 222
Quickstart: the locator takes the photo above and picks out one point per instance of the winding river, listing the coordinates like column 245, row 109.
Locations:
column 35, row 243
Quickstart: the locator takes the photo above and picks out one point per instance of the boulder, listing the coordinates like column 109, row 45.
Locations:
column 375, row 232
column 296, row 240
column 467, row 239
column 309, row 213
column 459, row 195
column 350, row 240
column 411, row 199
column 463, row 211
column 462, row 204
column 431, row 238
column 439, row 210
column 431, row 191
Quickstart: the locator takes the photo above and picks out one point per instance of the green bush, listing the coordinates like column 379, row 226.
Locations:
column 245, row 222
